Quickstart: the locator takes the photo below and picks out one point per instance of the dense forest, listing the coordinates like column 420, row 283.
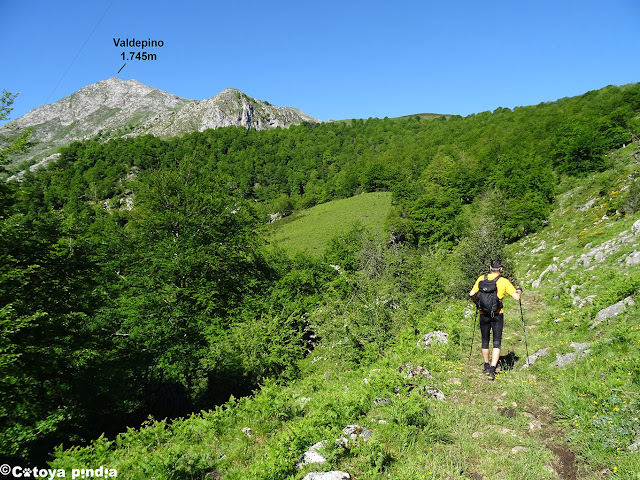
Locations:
column 135, row 279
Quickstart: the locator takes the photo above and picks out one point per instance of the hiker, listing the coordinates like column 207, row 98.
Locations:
column 487, row 293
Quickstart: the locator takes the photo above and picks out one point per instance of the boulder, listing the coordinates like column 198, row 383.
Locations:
column 434, row 392
column 611, row 312
column 633, row 259
column 551, row 268
column 581, row 302
column 433, row 337
column 535, row 425
column 580, row 350
column 635, row 445
column 531, row 359
column 579, row 347
column 312, row 455
column 636, row 228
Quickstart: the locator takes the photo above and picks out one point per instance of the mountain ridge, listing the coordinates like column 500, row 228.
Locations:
column 114, row 108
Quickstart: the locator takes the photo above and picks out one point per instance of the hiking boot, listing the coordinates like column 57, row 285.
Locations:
column 486, row 368
column 492, row 373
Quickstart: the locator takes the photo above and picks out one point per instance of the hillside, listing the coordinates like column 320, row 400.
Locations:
column 141, row 266
column 311, row 230
column 410, row 410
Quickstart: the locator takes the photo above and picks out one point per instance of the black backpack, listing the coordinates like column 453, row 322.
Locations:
column 487, row 297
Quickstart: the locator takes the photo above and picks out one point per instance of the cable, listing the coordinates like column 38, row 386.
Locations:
column 74, row 58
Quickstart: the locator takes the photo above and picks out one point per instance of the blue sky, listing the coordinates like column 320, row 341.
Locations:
column 331, row 59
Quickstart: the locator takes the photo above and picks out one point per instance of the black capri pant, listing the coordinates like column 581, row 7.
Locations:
column 489, row 324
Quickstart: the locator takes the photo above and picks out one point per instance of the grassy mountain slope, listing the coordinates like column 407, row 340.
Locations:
column 577, row 421
column 310, row 230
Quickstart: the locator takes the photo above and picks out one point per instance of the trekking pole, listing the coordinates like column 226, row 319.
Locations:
column 524, row 331
column 473, row 336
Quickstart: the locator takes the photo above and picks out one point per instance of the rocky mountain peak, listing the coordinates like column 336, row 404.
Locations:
column 115, row 108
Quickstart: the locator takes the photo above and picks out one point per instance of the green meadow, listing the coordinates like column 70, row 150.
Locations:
column 310, row 230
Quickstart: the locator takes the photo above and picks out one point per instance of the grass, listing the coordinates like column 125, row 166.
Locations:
column 310, row 230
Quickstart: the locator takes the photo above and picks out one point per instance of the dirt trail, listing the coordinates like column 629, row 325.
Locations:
column 541, row 428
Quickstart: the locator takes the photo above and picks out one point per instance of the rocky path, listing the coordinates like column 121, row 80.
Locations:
column 518, row 409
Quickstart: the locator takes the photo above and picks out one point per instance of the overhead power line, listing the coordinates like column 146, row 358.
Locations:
column 80, row 50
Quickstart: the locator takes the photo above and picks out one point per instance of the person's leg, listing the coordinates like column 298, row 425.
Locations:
column 485, row 330
column 495, row 357
column 497, row 326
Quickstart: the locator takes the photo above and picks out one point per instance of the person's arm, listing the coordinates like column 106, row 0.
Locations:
column 475, row 288
column 517, row 294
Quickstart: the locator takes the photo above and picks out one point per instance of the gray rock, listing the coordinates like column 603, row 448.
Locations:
column 566, row 262
column 313, row 455
column 635, row 445
column 414, row 371
column 551, row 268
column 378, row 401
column 587, row 205
column 611, row 312
column 579, row 347
column 531, row 359
column 434, row 392
column 633, row 259
column 541, row 246
column 535, row 425
column 580, row 350
column 353, row 432
column 274, row 217
column 636, row 228
column 566, row 359
column 581, row 302
column 434, row 337
column 332, row 475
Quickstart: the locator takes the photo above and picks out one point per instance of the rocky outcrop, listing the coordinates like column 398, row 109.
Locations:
column 531, row 359
column 579, row 351
column 313, row 455
column 433, row 337
column 611, row 312
column 351, row 433
column 229, row 108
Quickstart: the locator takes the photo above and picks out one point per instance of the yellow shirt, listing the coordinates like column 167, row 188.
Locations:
column 504, row 286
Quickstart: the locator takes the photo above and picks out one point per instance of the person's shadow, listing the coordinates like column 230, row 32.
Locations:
column 508, row 361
